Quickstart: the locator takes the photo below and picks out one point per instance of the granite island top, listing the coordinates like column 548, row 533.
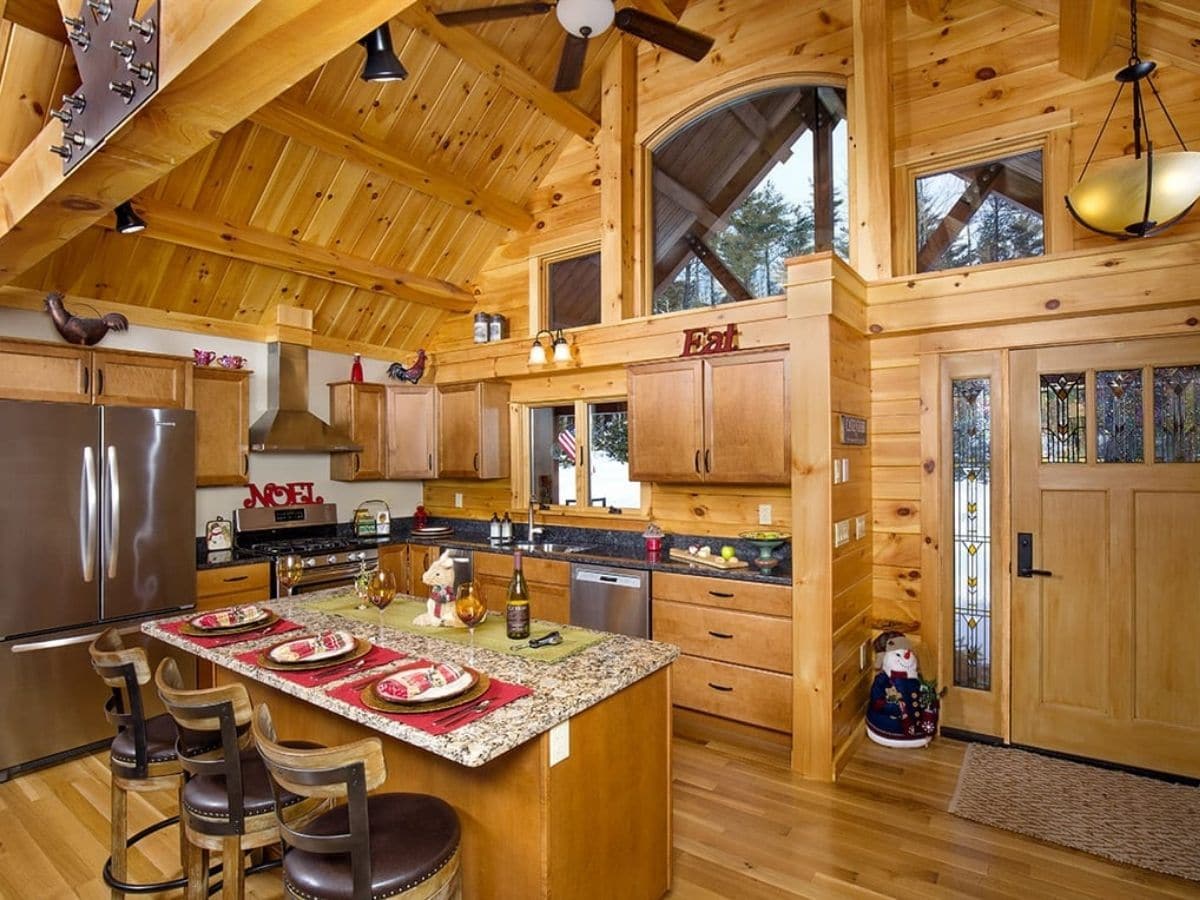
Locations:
column 560, row 689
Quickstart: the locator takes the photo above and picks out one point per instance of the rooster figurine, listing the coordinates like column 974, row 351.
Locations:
column 411, row 374
column 80, row 330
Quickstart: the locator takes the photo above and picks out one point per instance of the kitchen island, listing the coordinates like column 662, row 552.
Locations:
column 595, row 822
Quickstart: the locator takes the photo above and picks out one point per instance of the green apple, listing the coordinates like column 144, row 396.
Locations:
column 727, row 552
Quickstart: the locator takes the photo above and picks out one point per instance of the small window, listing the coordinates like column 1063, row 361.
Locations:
column 982, row 212
column 573, row 292
column 582, row 450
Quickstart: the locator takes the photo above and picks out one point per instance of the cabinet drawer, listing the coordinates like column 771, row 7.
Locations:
column 549, row 571
column 733, row 692
column 726, row 593
column 764, row 642
column 251, row 579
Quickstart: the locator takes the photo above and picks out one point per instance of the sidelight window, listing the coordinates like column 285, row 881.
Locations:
column 971, row 452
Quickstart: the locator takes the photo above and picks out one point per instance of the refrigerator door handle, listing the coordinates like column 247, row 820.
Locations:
column 88, row 514
column 114, row 512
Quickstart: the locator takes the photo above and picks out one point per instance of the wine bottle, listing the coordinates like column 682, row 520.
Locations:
column 516, row 610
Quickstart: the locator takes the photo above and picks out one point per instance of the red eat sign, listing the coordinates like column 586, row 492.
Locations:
column 703, row 341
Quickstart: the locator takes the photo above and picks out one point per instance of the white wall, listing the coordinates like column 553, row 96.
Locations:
column 401, row 496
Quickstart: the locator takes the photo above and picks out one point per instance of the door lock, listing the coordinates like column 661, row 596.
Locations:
column 1025, row 567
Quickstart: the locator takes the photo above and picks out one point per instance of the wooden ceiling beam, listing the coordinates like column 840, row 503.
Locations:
column 186, row 228
column 221, row 60
column 687, row 198
column 1086, row 32
column 489, row 61
column 929, row 10
column 293, row 120
column 42, row 16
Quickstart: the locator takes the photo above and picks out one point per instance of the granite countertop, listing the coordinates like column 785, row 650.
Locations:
column 560, row 690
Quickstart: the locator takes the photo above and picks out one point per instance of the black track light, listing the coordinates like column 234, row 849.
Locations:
column 382, row 63
column 128, row 222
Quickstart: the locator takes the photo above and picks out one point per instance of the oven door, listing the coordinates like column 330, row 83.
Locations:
column 319, row 578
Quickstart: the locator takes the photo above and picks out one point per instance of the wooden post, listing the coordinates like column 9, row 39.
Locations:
column 870, row 142
column 822, row 176
column 618, row 127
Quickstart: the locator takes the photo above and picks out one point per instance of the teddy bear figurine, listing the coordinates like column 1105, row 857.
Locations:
column 903, row 709
column 439, row 608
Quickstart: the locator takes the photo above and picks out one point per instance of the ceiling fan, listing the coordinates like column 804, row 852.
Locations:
column 584, row 19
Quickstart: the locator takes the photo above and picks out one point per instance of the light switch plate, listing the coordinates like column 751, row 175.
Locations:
column 837, row 471
column 841, row 533
column 860, row 527
column 845, row 469
column 457, row 500
column 560, row 742
column 764, row 514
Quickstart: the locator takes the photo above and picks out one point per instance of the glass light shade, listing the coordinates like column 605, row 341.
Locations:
column 537, row 354
column 562, row 350
column 585, row 18
column 1112, row 201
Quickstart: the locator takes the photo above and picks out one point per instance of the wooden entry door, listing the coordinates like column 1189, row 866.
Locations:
column 1106, row 648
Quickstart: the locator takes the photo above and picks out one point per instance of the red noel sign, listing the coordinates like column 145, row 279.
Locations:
column 272, row 494
column 703, row 341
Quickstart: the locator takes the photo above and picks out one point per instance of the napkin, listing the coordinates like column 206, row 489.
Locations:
column 228, row 618
column 409, row 684
column 327, row 643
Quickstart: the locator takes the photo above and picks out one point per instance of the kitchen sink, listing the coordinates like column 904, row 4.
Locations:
column 552, row 548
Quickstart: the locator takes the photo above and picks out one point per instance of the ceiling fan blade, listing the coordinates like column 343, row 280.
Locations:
column 675, row 38
column 493, row 13
column 570, row 64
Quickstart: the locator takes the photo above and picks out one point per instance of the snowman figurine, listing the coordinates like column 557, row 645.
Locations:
column 903, row 709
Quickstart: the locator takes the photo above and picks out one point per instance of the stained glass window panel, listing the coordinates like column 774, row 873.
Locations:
column 1064, row 418
column 971, row 451
column 1177, row 414
column 1119, row 428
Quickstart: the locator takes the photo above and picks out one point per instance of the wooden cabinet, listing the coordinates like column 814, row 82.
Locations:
column 473, row 430
column 736, row 639
column 221, row 399
column 360, row 410
column 229, row 586
column 549, row 582
column 724, row 419
column 411, row 432
column 31, row 370
column 420, row 558
column 394, row 558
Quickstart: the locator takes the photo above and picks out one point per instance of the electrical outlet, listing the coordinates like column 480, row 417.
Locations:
column 457, row 500
column 845, row 469
column 560, row 742
column 837, row 471
column 841, row 533
column 860, row 527
column 764, row 514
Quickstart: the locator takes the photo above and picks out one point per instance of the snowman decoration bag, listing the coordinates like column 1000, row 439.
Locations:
column 903, row 709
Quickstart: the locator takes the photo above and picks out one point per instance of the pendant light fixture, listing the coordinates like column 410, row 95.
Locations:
column 560, row 349
column 128, row 221
column 382, row 63
column 1145, row 194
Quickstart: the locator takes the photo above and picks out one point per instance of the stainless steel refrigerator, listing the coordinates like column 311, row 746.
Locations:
column 97, row 527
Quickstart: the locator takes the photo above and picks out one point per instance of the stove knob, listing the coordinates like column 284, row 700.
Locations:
column 360, row 555
column 331, row 559
column 310, row 562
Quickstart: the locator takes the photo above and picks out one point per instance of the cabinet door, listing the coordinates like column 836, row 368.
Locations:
column 411, row 432
column 360, row 410
column 666, row 422
column 48, row 373
column 420, row 558
column 394, row 558
column 458, row 431
column 221, row 400
column 493, row 430
column 135, row 379
column 747, row 415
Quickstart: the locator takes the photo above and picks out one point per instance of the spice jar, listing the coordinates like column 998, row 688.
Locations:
column 482, row 323
column 496, row 327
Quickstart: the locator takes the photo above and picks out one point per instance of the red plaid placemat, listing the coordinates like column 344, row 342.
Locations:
column 283, row 626
column 498, row 694
column 377, row 656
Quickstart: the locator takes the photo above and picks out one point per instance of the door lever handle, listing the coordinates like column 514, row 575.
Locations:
column 1025, row 567
column 1029, row 573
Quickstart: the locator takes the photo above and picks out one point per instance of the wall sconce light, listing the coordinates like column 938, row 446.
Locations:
column 1144, row 195
column 128, row 221
column 382, row 64
column 560, row 349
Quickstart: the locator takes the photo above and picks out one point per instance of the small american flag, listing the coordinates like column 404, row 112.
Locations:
column 566, row 440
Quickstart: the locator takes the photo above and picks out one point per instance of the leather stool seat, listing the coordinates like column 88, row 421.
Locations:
column 160, row 742
column 207, row 796
column 430, row 839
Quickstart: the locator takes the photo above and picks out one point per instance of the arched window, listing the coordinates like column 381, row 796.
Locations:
column 742, row 188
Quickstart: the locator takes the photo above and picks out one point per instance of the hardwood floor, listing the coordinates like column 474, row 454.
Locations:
column 745, row 827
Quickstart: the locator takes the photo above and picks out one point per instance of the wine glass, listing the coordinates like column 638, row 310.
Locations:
column 381, row 590
column 289, row 570
column 468, row 603
column 361, row 581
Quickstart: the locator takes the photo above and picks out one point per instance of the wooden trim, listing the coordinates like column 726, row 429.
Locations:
column 303, row 125
column 618, row 104
column 187, row 228
column 490, row 62
column 1086, row 32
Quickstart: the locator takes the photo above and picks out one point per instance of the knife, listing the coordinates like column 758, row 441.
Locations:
column 339, row 671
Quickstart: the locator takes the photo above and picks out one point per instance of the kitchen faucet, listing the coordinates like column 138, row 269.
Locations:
column 532, row 529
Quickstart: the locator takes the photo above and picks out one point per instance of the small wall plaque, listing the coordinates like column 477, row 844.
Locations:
column 852, row 430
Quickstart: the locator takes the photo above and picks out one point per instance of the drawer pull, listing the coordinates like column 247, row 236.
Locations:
column 720, row 687
column 721, row 635
column 235, row 578
column 721, row 594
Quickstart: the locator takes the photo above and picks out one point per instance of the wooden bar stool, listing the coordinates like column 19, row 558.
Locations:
column 142, row 756
column 369, row 847
column 226, row 803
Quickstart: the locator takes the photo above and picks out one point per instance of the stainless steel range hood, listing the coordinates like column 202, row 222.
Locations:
column 287, row 426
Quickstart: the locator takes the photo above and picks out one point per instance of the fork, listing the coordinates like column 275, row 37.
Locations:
column 460, row 715
column 339, row 671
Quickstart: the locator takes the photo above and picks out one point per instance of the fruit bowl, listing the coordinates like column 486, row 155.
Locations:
column 766, row 542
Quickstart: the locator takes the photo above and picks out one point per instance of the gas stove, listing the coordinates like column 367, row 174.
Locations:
column 309, row 531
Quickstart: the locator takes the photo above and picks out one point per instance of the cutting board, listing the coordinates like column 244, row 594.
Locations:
column 715, row 561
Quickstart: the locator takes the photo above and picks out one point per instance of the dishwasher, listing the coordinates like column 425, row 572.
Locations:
column 606, row 599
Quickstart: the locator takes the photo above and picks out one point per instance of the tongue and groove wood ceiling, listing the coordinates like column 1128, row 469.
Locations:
column 370, row 203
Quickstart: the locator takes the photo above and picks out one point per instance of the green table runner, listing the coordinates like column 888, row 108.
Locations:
column 488, row 636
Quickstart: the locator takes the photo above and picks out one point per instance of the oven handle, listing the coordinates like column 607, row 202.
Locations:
column 329, row 574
